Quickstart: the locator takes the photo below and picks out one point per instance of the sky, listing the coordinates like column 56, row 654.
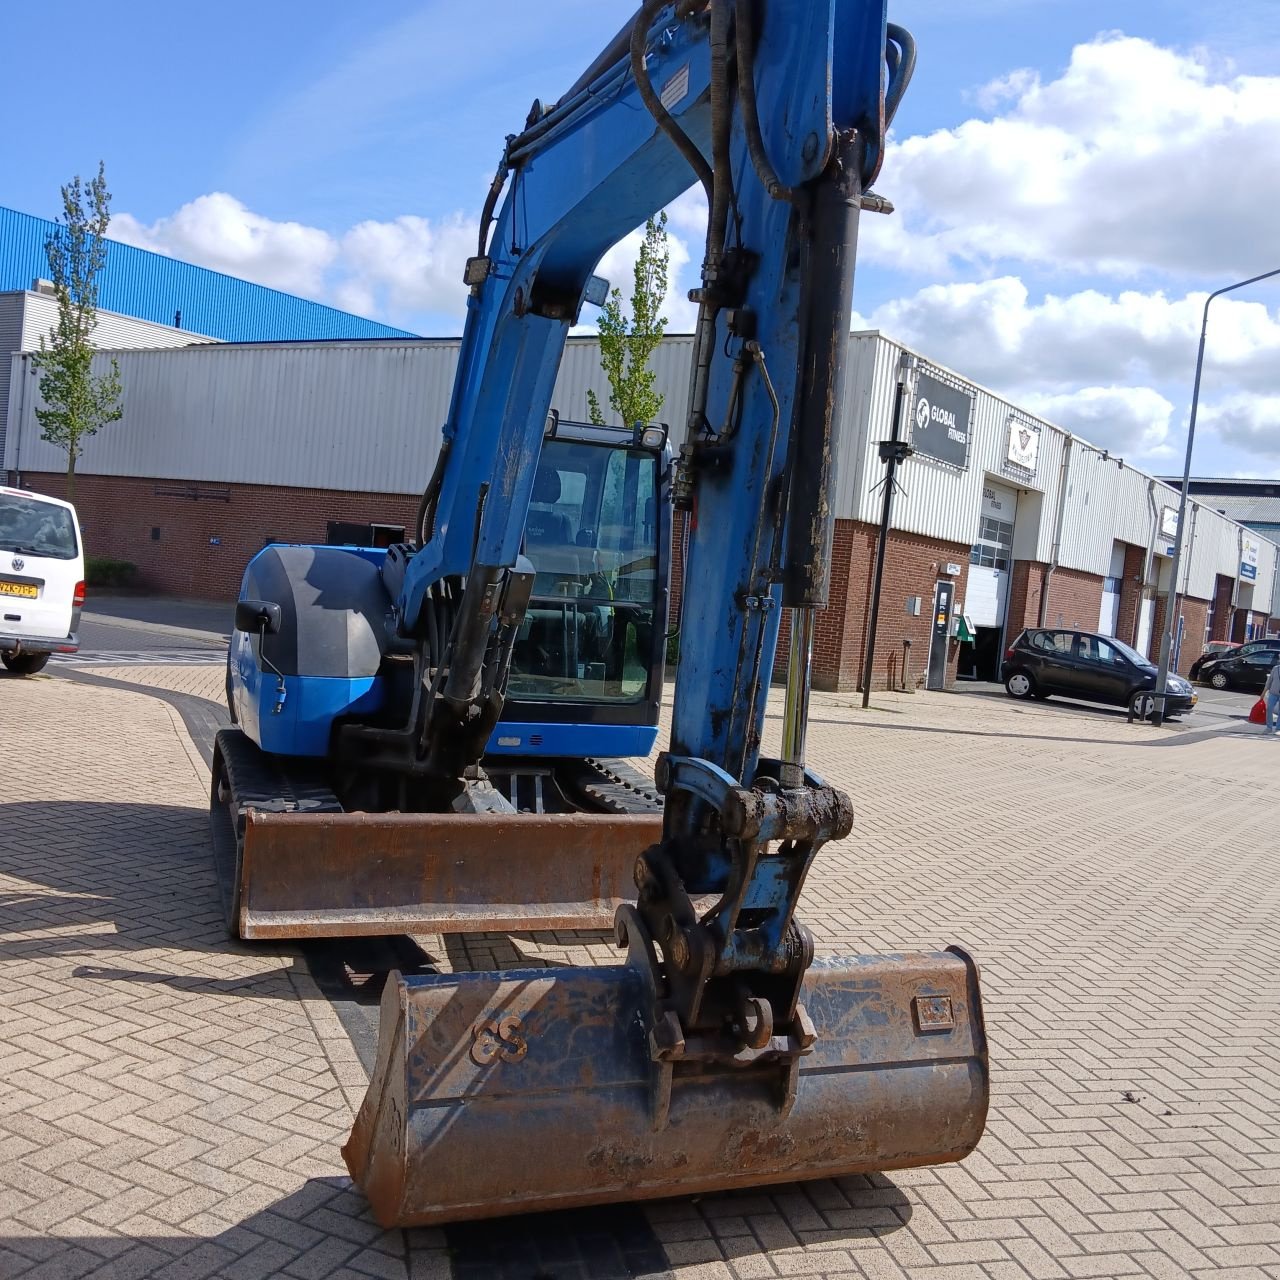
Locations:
column 1071, row 178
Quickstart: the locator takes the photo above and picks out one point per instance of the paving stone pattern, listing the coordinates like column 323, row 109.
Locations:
column 172, row 1105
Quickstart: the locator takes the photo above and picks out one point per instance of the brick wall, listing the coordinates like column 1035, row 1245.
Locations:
column 1135, row 559
column 119, row 515
column 1026, row 582
column 1075, row 599
column 1223, row 589
column 1196, row 614
column 912, row 567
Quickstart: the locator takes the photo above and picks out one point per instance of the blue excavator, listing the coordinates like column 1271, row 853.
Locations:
column 719, row 1053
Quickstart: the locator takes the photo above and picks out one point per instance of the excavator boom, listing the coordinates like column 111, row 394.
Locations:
column 720, row 1054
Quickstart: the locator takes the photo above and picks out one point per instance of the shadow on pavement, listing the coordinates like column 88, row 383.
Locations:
column 325, row 1228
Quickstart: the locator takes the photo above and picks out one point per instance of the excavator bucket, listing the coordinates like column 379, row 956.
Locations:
column 324, row 875
column 480, row 1076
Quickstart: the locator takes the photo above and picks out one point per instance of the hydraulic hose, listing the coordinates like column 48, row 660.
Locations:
column 721, row 124
column 430, row 496
column 746, row 47
column 901, row 68
column 683, row 143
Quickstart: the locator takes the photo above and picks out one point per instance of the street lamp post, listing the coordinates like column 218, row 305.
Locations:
column 1166, row 637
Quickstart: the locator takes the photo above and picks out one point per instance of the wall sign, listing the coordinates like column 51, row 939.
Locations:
column 1024, row 443
column 1169, row 523
column 999, row 503
column 1249, row 559
column 940, row 421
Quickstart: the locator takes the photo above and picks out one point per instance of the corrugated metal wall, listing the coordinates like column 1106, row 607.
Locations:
column 114, row 332
column 367, row 416
column 581, row 372
column 936, row 499
column 153, row 287
column 1106, row 500
column 10, row 341
column 363, row 416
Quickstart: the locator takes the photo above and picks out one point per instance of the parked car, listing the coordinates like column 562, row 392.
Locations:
column 41, row 579
column 1243, row 668
column 1214, row 650
column 1082, row 664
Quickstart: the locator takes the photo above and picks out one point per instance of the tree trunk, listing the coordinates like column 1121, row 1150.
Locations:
column 71, row 475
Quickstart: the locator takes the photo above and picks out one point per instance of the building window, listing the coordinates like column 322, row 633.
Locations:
column 994, row 545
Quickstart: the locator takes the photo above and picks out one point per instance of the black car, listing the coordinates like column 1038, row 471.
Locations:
column 1214, row 650
column 1083, row 664
column 1244, row 668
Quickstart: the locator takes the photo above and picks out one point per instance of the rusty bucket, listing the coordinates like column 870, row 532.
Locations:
column 324, row 875
column 480, row 1076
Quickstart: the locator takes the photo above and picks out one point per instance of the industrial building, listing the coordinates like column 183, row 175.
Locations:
column 1002, row 521
column 1255, row 503
column 149, row 300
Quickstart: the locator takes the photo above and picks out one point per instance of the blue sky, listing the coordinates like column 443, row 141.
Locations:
column 1070, row 177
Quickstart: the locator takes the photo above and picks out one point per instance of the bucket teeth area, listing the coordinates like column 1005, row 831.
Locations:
column 480, row 1076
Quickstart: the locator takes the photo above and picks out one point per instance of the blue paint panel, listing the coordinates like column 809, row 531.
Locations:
column 150, row 286
column 311, row 704
column 575, row 740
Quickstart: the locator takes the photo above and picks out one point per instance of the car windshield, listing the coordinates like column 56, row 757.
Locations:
column 1132, row 654
column 31, row 527
column 592, row 535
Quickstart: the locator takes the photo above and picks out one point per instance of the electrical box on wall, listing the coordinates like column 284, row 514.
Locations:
column 913, row 606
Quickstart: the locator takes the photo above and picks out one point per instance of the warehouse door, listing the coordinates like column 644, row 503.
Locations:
column 1146, row 612
column 986, row 598
column 1109, row 617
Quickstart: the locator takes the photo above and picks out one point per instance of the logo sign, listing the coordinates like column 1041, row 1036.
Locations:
column 1169, row 523
column 19, row 564
column 1024, row 444
column 1249, row 560
column 940, row 423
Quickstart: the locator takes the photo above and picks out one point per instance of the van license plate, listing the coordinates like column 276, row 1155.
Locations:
column 27, row 589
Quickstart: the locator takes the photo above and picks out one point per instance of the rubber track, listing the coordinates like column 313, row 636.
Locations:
column 259, row 782
column 616, row 787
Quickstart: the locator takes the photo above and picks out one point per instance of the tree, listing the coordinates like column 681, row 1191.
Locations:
column 625, row 347
column 76, row 402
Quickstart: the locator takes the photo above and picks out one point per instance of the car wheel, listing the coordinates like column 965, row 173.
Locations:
column 1219, row 680
column 1143, row 705
column 1020, row 685
column 25, row 664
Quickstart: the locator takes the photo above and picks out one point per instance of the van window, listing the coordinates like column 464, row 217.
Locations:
column 36, row 528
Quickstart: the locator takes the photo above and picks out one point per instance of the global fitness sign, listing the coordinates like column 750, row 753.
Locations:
column 940, row 423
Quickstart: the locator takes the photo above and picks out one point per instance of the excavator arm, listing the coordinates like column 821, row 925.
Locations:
column 683, row 1069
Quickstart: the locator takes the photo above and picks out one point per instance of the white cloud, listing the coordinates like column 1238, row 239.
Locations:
column 1126, row 420
column 1135, row 158
column 1250, row 423
column 409, row 265
column 992, row 331
column 217, row 231
column 406, row 271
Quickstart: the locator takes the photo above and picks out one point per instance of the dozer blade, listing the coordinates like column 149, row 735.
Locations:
column 507, row 1093
column 324, row 875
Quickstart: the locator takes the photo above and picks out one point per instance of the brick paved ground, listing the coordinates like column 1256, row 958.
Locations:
column 162, row 1093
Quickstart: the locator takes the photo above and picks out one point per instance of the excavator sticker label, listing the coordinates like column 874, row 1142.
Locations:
column 676, row 89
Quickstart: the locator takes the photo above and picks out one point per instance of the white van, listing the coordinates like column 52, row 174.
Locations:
column 41, row 579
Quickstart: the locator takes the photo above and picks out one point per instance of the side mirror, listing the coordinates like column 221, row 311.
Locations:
column 256, row 616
